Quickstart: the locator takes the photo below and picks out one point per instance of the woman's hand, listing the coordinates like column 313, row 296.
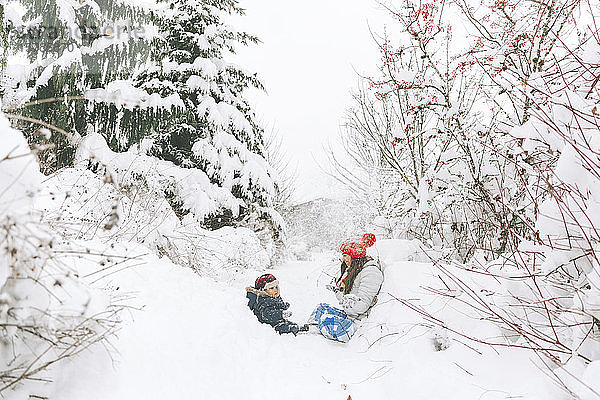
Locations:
column 333, row 288
column 348, row 301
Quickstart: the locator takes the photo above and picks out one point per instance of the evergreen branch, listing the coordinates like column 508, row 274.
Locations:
column 44, row 101
column 73, row 138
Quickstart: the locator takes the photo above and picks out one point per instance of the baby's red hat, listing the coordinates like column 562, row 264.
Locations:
column 266, row 281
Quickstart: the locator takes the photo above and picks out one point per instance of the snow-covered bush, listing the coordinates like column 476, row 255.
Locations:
column 554, row 283
column 565, row 252
column 431, row 131
column 494, row 151
column 47, row 311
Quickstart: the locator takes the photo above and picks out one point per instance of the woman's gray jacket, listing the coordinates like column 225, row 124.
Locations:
column 364, row 291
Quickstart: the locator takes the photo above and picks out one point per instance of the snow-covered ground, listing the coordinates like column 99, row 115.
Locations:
column 196, row 339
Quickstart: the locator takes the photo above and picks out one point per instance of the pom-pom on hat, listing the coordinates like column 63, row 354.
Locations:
column 357, row 247
column 266, row 281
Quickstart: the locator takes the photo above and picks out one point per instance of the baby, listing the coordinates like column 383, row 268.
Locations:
column 269, row 308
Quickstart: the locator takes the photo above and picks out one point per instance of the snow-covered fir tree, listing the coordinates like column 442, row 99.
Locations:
column 206, row 122
column 67, row 48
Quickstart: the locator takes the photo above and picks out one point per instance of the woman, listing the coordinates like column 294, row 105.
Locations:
column 360, row 280
column 356, row 290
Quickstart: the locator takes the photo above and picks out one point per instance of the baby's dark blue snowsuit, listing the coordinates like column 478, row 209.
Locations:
column 269, row 310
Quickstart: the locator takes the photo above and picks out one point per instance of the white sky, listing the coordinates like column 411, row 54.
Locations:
column 308, row 60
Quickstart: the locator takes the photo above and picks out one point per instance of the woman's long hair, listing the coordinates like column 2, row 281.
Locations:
column 356, row 266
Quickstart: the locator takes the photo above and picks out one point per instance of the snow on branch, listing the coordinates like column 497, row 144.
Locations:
column 125, row 94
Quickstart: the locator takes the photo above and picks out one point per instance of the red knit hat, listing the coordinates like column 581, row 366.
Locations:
column 357, row 247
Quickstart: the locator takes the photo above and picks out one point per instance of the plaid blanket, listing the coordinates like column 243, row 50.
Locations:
column 333, row 323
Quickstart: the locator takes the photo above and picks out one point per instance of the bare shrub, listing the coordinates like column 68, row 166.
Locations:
column 539, row 71
column 48, row 311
